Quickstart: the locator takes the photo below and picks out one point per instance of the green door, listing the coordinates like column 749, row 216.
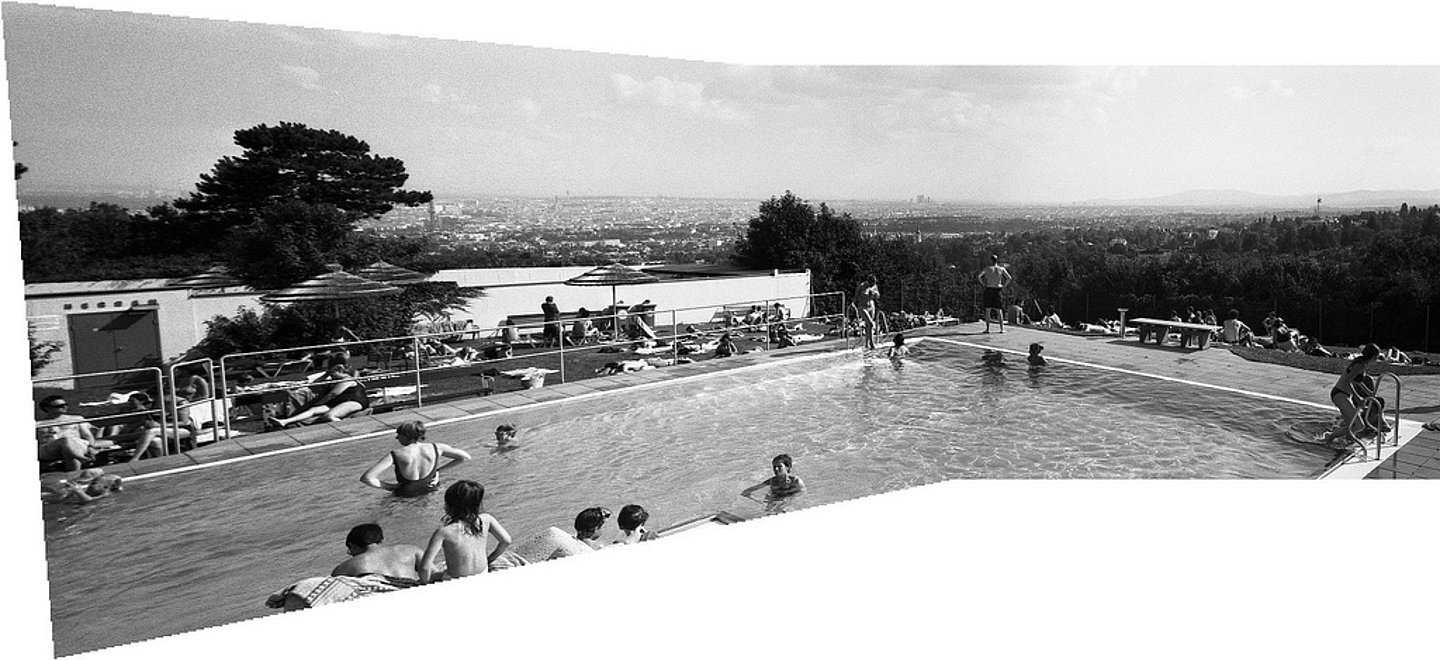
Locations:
column 110, row 341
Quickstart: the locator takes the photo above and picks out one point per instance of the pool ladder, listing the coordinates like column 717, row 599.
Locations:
column 1361, row 417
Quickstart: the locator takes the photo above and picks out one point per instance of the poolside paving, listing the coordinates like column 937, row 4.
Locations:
column 1417, row 459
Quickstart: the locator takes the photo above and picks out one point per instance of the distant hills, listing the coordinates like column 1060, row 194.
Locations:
column 1240, row 198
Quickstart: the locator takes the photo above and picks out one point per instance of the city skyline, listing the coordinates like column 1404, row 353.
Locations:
column 95, row 103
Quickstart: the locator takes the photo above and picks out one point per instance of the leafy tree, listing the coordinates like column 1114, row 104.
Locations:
column 789, row 233
column 288, row 242
column 292, row 162
column 41, row 352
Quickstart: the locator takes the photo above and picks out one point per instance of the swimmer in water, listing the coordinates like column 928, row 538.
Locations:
column 782, row 484
column 416, row 463
column 1035, row 359
column 504, row 439
column 899, row 350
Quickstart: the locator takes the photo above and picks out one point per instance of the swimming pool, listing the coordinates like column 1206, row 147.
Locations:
column 185, row 551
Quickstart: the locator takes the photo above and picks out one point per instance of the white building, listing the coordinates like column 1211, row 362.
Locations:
column 120, row 324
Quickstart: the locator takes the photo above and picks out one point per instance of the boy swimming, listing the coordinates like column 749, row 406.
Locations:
column 504, row 439
column 782, row 484
column 464, row 535
column 899, row 350
column 1035, row 359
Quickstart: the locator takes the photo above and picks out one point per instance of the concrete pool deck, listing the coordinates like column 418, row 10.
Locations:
column 1419, row 458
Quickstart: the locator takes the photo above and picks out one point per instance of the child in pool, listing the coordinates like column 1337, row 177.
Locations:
column 505, row 439
column 464, row 535
column 1035, row 359
column 783, row 484
column 899, row 350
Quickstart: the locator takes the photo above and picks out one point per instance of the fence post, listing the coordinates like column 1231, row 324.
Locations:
column 415, row 346
column 674, row 338
column 562, row 354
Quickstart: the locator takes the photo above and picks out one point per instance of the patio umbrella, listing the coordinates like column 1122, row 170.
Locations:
column 389, row 273
column 215, row 278
column 612, row 275
column 335, row 285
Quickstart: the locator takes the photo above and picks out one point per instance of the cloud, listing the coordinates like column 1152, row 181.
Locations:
column 1272, row 87
column 303, row 77
column 527, row 108
column 666, row 93
column 434, row 94
column 370, row 41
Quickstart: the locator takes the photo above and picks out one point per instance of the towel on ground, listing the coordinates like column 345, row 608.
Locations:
column 552, row 543
column 318, row 591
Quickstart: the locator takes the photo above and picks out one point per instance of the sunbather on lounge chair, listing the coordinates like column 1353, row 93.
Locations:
column 345, row 397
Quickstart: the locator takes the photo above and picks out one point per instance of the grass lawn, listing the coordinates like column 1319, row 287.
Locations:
column 1333, row 365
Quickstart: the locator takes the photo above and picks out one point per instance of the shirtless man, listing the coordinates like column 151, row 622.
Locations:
column 416, row 463
column 368, row 557
column 58, row 440
column 994, row 278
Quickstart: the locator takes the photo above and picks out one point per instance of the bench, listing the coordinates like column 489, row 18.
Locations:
column 1198, row 334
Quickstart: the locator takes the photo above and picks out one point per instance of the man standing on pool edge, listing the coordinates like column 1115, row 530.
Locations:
column 994, row 278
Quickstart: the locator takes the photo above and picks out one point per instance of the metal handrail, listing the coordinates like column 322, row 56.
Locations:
column 175, row 396
column 159, row 379
column 1361, row 415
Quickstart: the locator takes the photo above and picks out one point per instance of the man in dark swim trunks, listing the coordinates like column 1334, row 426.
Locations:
column 416, row 463
column 994, row 278
column 368, row 557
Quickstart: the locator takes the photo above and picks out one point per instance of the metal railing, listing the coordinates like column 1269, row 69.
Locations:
column 158, row 379
column 1362, row 415
column 417, row 364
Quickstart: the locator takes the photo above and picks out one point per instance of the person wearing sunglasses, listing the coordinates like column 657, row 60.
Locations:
column 61, row 436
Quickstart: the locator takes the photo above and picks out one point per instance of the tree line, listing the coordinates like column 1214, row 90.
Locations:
column 1367, row 276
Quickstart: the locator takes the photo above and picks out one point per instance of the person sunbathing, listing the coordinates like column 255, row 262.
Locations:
column 369, row 557
column 1395, row 356
column 623, row 366
column 90, row 485
column 345, row 396
column 726, row 346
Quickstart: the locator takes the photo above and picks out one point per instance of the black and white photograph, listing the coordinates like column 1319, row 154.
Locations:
column 909, row 330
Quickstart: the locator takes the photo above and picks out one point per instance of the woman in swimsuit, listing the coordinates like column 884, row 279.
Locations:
column 416, row 463
column 345, row 397
column 1350, row 391
column 865, row 296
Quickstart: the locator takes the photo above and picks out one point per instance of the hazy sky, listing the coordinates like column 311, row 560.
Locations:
column 104, row 99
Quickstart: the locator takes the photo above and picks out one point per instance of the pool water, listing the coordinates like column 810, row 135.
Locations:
column 186, row 551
